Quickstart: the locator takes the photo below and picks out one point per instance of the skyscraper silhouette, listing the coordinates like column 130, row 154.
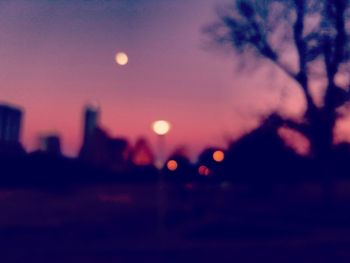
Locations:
column 91, row 118
column 10, row 124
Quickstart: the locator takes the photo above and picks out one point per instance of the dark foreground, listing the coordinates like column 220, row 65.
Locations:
column 193, row 223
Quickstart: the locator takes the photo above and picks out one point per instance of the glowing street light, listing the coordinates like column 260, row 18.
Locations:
column 161, row 127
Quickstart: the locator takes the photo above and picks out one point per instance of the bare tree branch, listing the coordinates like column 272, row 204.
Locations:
column 317, row 30
column 300, row 44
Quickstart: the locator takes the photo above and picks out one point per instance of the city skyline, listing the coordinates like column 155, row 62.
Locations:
column 174, row 131
column 57, row 57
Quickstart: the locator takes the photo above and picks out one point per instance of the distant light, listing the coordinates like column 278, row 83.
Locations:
column 161, row 127
column 172, row 165
column 203, row 170
column 121, row 58
column 218, row 156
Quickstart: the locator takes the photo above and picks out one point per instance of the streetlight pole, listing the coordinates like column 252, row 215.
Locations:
column 161, row 128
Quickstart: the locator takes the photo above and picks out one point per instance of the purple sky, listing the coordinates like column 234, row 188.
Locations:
column 56, row 56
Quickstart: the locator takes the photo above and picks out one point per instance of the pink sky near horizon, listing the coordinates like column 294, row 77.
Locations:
column 58, row 56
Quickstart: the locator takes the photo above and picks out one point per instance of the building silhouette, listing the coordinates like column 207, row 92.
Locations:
column 10, row 123
column 51, row 144
column 105, row 152
column 99, row 149
column 10, row 131
column 91, row 120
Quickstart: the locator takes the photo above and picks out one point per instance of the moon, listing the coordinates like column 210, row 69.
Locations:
column 121, row 58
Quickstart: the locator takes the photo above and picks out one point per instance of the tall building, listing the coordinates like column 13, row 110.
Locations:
column 10, row 123
column 91, row 119
column 105, row 152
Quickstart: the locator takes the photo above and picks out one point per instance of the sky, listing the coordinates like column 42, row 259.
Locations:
column 58, row 56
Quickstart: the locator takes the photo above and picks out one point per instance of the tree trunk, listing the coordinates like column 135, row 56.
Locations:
column 322, row 126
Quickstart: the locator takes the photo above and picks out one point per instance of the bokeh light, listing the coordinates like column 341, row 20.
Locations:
column 161, row 127
column 172, row 165
column 203, row 170
column 121, row 58
column 218, row 156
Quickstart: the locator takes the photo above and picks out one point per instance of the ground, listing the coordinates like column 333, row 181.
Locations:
column 193, row 223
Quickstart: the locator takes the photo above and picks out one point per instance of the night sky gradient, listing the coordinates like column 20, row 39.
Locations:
column 56, row 56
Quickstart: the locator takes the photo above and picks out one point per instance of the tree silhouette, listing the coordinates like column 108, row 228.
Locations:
column 305, row 39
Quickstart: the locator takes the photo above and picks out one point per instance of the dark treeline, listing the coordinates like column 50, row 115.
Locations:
column 259, row 158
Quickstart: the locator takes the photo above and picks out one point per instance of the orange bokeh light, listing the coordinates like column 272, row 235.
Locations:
column 218, row 156
column 172, row 165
